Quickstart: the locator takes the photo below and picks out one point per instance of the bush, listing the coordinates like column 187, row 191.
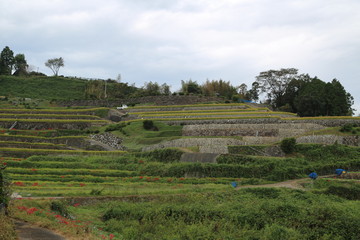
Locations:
column 346, row 128
column 60, row 207
column 288, row 145
column 148, row 125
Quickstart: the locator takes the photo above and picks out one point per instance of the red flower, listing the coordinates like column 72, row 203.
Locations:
column 33, row 169
column 141, row 177
column 182, row 179
column 82, row 184
column 4, row 163
column 35, row 184
column 32, row 210
column 111, row 236
column 62, row 176
column 76, row 204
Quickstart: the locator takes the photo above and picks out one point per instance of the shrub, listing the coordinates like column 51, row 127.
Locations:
column 149, row 125
column 346, row 128
column 288, row 145
column 60, row 207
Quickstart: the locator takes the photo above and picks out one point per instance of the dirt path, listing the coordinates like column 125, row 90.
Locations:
column 293, row 184
column 26, row 231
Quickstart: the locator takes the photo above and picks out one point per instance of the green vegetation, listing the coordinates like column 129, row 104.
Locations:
column 39, row 87
column 288, row 145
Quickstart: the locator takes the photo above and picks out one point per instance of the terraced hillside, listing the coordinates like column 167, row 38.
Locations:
column 248, row 124
column 61, row 182
column 26, row 132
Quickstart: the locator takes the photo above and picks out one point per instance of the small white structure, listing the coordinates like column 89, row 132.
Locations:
column 124, row 106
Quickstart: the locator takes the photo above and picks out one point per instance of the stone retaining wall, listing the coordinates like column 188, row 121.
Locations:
column 110, row 140
column 330, row 139
column 323, row 122
column 200, row 142
column 257, row 130
column 157, row 100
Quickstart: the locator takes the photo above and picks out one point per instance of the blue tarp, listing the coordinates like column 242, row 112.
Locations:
column 313, row 175
column 340, row 171
column 234, row 184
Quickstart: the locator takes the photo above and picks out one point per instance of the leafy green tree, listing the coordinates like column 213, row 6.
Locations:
column 6, row 61
column 317, row 98
column 20, row 65
column 55, row 64
column 274, row 83
column 190, row 87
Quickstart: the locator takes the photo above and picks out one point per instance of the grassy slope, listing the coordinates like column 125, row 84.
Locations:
column 42, row 87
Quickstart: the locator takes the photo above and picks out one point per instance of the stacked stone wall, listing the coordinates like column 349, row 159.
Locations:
column 157, row 100
column 330, row 139
column 257, row 130
column 204, row 143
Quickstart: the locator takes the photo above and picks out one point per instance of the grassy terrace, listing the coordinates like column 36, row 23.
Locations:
column 203, row 111
column 189, row 106
column 214, row 113
column 53, row 121
column 52, row 111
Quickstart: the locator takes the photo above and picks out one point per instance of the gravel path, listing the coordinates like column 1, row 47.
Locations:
column 27, row 231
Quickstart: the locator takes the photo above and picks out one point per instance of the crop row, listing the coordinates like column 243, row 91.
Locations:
column 31, row 145
column 215, row 113
column 28, row 152
column 205, row 118
column 51, row 120
column 204, row 111
column 193, row 105
column 67, row 171
column 48, row 116
column 55, row 111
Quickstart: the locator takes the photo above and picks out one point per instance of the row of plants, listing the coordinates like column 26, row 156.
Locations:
column 55, row 111
column 212, row 114
column 13, row 144
column 26, row 152
column 49, row 121
column 204, row 111
column 48, row 116
column 193, row 105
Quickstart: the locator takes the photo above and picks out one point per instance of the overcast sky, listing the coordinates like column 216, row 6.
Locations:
column 172, row 40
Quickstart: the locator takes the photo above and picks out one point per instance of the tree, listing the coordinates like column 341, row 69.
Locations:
column 253, row 93
column 20, row 65
column 218, row 87
column 55, row 64
column 190, row 87
column 275, row 83
column 6, row 61
column 317, row 98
